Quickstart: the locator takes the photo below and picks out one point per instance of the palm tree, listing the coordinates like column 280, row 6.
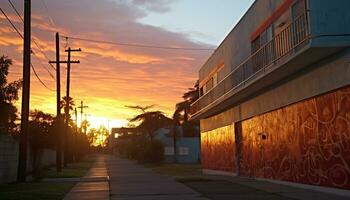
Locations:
column 192, row 94
column 151, row 121
column 189, row 97
column 64, row 101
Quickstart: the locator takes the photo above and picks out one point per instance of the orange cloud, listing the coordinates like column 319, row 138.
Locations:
column 109, row 77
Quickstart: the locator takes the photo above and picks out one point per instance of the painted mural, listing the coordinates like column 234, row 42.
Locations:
column 218, row 149
column 308, row 142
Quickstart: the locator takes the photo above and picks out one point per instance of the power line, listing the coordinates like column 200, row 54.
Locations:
column 15, row 28
column 48, row 71
column 34, row 41
column 42, row 52
column 37, row 76
column 13, row 6
column 48, row 13
column 138, row 45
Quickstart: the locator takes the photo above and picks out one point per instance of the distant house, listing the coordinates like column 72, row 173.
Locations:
column 187, row 147
column 275, row 95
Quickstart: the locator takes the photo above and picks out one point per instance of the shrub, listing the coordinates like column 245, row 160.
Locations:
column 142, row 150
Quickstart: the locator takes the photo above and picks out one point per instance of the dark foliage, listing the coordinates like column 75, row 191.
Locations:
column 8, row 95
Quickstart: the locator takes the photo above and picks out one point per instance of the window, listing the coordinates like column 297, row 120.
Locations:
column 264, row 37
column 169, row 150
column 183, row 151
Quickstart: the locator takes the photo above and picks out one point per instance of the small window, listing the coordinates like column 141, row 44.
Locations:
column 168, row 151
column 183, row 151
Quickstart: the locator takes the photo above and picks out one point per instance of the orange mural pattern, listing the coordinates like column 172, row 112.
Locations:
column 308, row 142
column 218, row 149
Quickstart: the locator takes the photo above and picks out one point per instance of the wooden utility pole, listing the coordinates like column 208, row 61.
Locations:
column 81, row 114
column 66, row 109
column 76, row 120
column 22, row 160
column 58, row 105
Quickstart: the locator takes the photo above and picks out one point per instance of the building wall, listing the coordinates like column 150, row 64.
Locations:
column 234, row 49
column 326, row 75
column 308, row 142
column 305, row 119
column 218, row 150
column 330, row 22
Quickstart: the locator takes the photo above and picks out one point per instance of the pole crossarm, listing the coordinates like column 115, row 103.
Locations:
column 66, row 61
column 68, row 50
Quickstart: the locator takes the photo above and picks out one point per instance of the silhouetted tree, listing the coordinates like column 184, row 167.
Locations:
column 190, row 128
column 151, row 121
column 143, row 109
column 192, row 94
column 84, row 126
column 63, row 103
column 8, row 95
column 92, row 135
column 189, row 97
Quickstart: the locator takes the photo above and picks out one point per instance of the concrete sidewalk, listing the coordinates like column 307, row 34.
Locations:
column 225, row 187
column 94, row 185
column 129, row 181
column 120, row 179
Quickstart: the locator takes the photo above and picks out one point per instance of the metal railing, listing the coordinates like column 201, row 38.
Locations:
column 286, row 43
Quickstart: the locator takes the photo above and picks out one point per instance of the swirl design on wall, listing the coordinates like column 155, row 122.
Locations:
column 308, row 142
column 218, row 149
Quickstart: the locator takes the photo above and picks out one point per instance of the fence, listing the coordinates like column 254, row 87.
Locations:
column 9, row 149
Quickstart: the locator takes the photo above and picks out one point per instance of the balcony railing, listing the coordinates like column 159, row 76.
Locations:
column 283, row 45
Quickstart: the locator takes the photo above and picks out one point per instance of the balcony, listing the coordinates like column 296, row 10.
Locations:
column 277, row 51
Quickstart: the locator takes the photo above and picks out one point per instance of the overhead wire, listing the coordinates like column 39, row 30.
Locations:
column 37, row 76
column 137, row 45
column 34, row 41
column 48, row 13
column 20, row 34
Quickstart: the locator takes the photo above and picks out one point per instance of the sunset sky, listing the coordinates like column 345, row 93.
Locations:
column 110, row 77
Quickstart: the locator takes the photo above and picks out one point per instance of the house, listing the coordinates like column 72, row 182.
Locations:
column 187, row 147
column 275, row 95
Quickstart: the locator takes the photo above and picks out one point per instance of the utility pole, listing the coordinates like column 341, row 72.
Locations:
column 76, row 135
column 22, row 160
column 81, row 114
column 58, row 105
column 76, row 120
column 66, row 109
